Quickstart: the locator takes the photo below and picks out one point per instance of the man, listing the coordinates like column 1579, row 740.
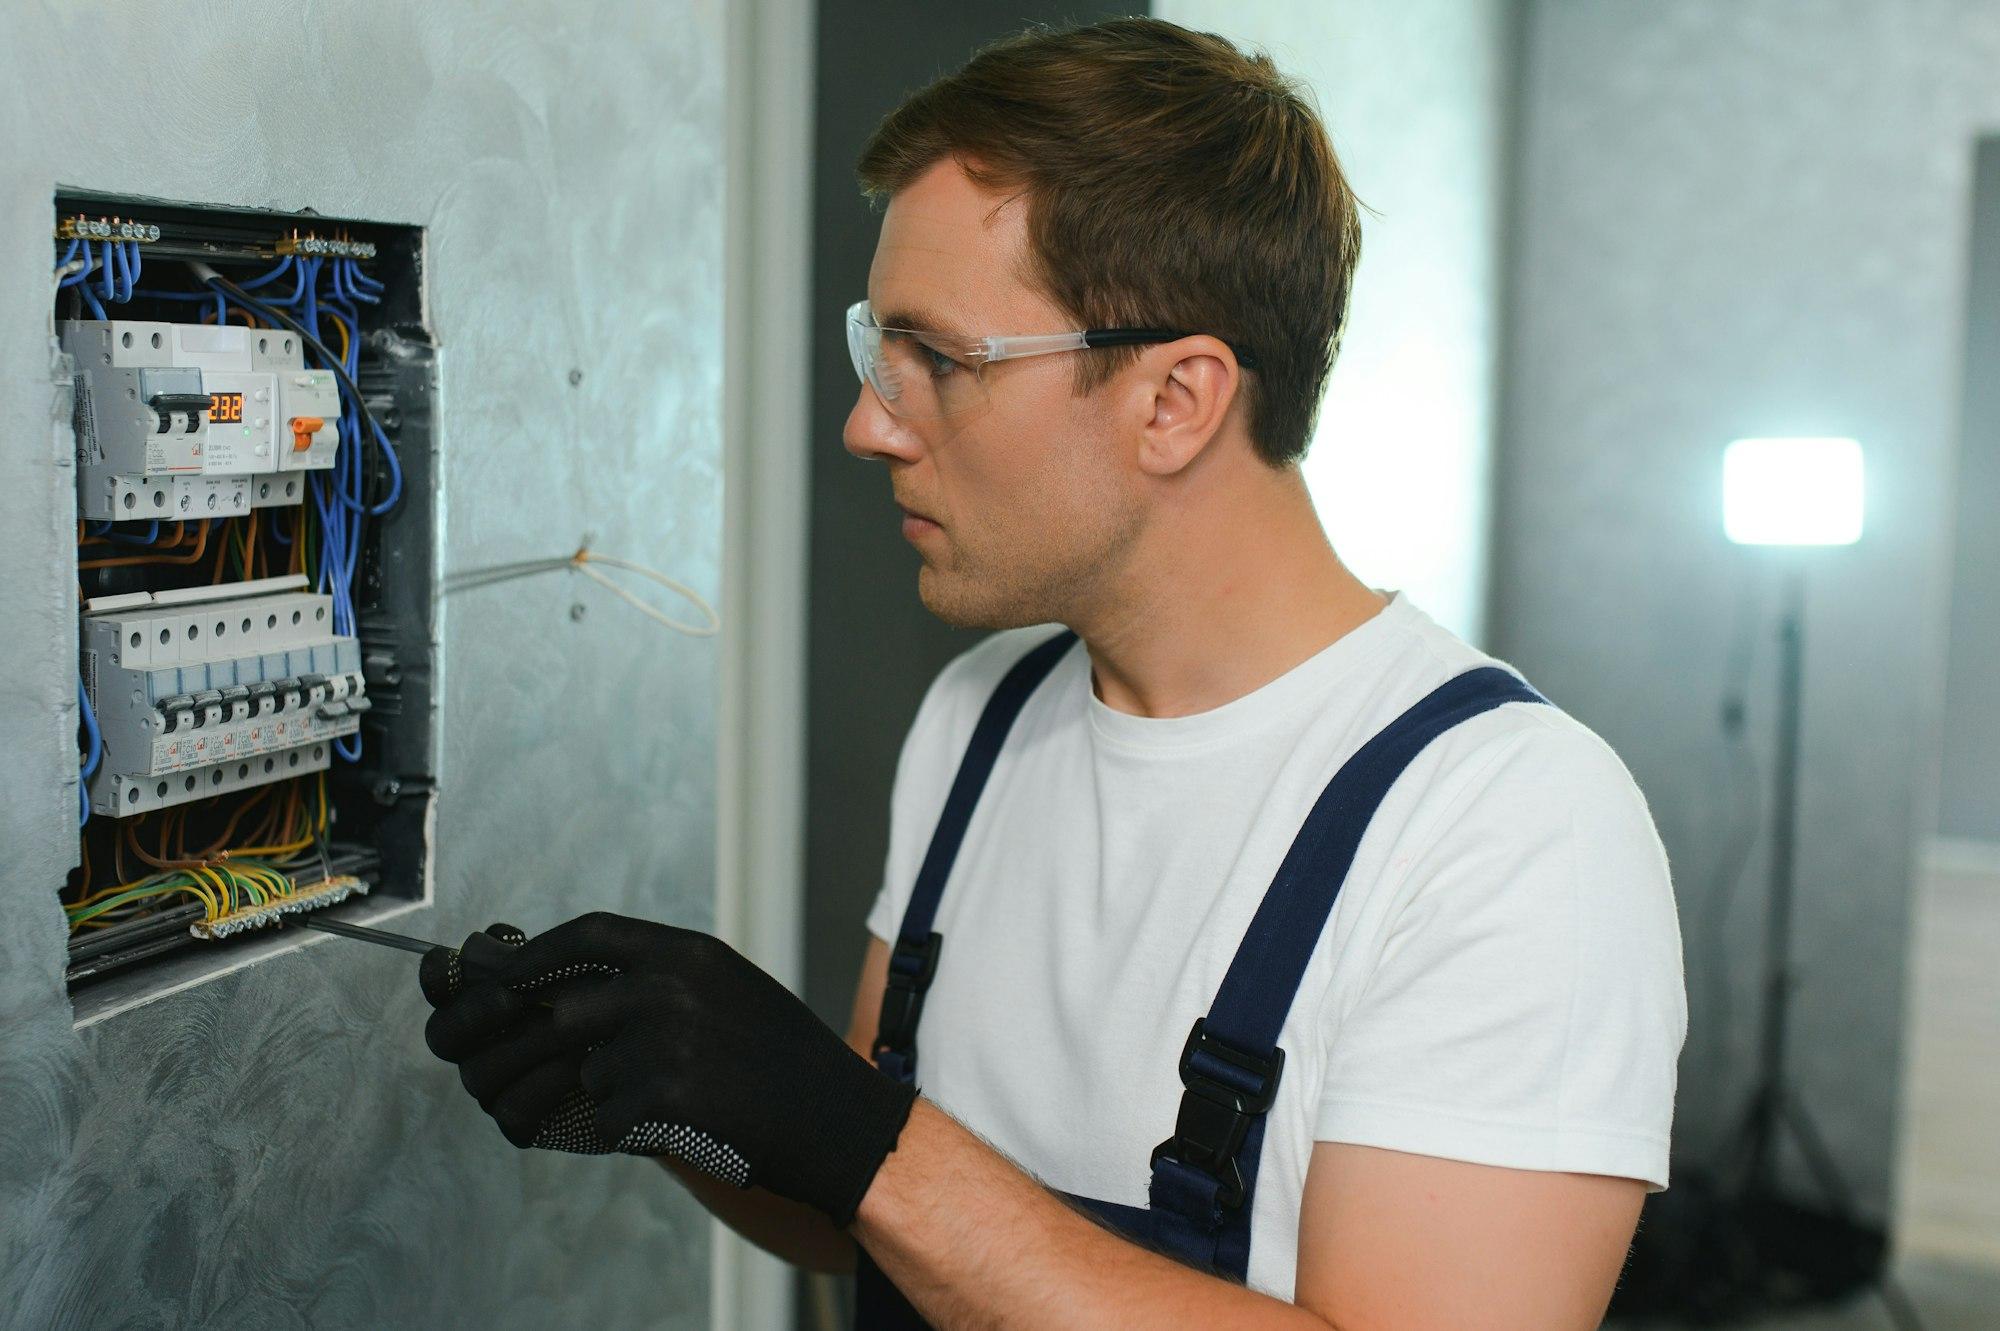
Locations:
column 1422, row 915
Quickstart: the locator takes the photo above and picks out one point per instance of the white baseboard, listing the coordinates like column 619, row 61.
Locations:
column 1963, row 855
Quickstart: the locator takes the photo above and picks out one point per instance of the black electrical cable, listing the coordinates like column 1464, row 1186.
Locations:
column 228, row 288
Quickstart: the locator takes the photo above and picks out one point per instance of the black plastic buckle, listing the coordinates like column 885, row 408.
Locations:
column 912, row 966
column 1215, row 1116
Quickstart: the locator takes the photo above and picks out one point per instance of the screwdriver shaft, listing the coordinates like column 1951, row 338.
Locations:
column 379, row 936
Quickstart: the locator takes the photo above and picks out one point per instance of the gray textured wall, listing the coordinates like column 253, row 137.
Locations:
column 1740, row 219
column 1969, row 777
column 276, row 1148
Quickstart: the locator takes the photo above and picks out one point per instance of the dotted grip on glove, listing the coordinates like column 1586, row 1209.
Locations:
column 572, row 1125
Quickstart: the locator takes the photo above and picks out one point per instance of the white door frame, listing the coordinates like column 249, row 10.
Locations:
column 766, row 472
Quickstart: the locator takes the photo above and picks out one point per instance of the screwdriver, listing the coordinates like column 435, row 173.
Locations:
column 482, row 951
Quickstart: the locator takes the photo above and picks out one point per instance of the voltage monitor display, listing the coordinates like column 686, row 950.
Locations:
column 225, row 408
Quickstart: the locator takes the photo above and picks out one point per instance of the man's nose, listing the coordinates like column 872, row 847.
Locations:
column 873, row 435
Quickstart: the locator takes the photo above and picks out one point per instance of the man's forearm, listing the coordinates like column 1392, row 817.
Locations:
column 974, row 1242
column 785, row 1228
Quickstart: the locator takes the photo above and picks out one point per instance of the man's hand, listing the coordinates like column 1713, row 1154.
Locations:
column 614, row 1034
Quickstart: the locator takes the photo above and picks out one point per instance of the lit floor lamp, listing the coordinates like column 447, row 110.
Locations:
column 1790, row 493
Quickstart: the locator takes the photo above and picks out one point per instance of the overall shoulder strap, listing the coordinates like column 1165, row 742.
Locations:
column 913, row 962
column 1206, row 1172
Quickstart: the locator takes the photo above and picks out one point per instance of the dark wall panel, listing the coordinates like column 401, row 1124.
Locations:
column 872, row 647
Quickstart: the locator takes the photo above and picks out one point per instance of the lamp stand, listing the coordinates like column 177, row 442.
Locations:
column 1779, row 1247
column 1726, row 1243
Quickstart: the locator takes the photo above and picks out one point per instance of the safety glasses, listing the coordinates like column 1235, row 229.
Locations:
column 924, row 375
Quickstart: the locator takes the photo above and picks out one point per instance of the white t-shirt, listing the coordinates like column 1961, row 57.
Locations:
column 1499, row 982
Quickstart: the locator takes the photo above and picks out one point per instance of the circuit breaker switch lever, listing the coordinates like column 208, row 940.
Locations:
column 167, row 405
column 303, row 430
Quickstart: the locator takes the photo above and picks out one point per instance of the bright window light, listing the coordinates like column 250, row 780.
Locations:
column 1792, row 491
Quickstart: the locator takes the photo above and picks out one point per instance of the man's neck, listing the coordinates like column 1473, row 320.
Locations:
column 1215, row 607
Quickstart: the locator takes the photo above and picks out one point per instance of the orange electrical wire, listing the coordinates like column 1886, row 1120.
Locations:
column 250, row 545
column 248, row 320
column 193, row 557
column 267, row 826
column 178, row 539
column 131, row 839
column 118, row 851
column 298, row 841
column 177, row 819
column 229, row 829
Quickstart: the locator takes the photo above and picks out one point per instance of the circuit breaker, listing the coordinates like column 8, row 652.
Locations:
column 178, row 421
column 251, row 396
column 210, row 690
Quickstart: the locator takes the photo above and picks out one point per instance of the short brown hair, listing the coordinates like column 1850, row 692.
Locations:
column 1172, row 181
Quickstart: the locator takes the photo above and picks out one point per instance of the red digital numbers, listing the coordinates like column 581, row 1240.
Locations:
column 225, row 408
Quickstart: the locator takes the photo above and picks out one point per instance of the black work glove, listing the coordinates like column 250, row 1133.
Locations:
column 614, row 1034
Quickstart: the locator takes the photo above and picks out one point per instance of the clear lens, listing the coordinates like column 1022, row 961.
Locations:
column 914, row 374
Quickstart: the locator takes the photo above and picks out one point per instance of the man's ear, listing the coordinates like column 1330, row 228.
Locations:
column 1184, row 392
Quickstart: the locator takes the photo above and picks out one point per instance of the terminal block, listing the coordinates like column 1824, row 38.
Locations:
column 207, row 690
column 182, row 421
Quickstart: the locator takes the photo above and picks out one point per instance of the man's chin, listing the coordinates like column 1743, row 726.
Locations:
column 963, row 607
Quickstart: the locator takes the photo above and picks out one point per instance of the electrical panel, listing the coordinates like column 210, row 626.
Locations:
column 251, row 395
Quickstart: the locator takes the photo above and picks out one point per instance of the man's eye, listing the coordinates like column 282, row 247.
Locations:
column 940, row 364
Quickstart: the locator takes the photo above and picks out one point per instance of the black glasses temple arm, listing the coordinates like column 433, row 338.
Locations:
column 1132, row 337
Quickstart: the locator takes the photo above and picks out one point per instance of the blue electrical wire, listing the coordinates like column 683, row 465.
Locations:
column 81, row 279
column 351, row 420
column 336, row 564
column 96, row 751
column 204, row 297
column 311, row 306
column 152, row 534
column 299, row 278
column 110, row 278
column 362, row 286
column 93, row 756
column 338, row 496
column 252, row 283
column 395, row 469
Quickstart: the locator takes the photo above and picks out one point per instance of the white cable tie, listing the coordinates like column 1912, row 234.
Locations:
column 584, row 560
column 580, row 562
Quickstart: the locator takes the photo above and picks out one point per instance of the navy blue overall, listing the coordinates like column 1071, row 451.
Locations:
column 1206, row 1173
